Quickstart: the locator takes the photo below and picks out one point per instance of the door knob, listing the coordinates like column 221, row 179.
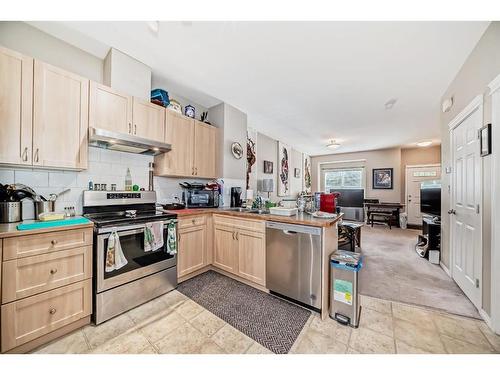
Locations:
column 452, row 212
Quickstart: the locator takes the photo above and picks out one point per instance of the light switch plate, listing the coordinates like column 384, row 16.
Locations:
column 447, row 170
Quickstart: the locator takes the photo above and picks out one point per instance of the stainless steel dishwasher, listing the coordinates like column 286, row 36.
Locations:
column 293, row 262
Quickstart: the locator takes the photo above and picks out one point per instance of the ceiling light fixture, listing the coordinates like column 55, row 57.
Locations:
column 390, row 103
column 333, row 144
column 154, row 26
column 424, row 143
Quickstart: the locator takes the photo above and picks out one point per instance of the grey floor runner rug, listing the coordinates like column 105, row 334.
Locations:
column 272, row 322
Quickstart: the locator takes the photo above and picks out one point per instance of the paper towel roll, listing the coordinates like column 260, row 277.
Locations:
column 249, row 194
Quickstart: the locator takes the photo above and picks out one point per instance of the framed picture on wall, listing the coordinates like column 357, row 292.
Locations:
column 382, row 178
column 485, row 140
column 268, row 167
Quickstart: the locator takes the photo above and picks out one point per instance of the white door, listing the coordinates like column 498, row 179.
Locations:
column 414, row 177
column 466, row 238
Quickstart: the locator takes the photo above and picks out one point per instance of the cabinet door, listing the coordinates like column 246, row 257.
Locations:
column 180, row 134
column 109, row 109
column 192, row 250
column 205, row 138
column 149, row 120
column 225, row 250
column 252, row 256
column 60, row 118
column 16, row 98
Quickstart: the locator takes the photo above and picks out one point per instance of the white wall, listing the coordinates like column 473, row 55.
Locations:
column 388, row 158
column 26, row 39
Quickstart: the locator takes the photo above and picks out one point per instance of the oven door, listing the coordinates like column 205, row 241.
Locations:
column 140, row 263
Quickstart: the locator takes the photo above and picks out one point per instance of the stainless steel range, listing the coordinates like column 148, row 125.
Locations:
column 146, row 275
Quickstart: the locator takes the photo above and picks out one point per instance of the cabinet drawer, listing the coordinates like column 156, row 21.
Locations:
column 192, row 221
column 36, row 244
column 240, row 223
column 25, row 277
column 32, row 317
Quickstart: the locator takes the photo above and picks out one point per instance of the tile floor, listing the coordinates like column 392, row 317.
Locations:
column 175, row 324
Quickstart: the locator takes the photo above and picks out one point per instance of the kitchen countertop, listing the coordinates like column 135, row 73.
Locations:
column 301, row 218
column 10, row 229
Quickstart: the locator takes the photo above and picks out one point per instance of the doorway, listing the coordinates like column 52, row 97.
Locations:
column 415, row 175
column 465, row 208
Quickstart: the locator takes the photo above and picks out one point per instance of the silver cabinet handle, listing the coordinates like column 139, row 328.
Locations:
column 135, row 129
column 237, row 236
column 233, row 236
column 36, row 155
column 53, row 271
column 52, row 311
column 25, row 154
column 192, row 171
column 130, row 128
column 53, row 242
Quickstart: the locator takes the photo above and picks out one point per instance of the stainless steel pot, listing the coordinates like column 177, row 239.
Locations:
column 11, row 212
column 44, row 206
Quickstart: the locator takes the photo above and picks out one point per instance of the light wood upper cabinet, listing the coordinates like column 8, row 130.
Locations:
column 205, row 138
column 193, row 148
column 149, row 120
column 60, row 118
column 180, row 134
column 192, row 253
column 109, row 109
column 16, row 98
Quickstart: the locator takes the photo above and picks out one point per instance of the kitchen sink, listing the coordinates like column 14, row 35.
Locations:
column 259, row 211
column 238, row 209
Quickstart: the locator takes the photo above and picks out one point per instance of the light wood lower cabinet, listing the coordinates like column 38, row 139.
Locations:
column 252, row 256
column 241, row 251
column 25, row 277
column 46, row 286
column 192, row 251
column 27, row 319
column 225, row 250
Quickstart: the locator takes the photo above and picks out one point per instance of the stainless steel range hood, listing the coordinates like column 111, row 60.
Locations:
column 125, row 142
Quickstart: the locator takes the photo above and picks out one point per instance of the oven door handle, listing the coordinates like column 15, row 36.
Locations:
column 126, row 229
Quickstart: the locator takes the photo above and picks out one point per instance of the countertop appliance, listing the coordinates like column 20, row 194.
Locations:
column 236, row 197
column 198, row 195
column 147, row 275
column 293, row 262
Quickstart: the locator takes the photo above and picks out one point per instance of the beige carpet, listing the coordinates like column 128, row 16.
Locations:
column 394, row 271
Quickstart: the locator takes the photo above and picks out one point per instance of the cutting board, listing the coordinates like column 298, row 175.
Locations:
column 33, row 224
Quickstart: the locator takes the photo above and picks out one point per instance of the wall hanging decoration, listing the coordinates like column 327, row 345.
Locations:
column 382, row 178
column 189, row 111
column 237, row 150
column 268, row 167
column 306, row 166
column 296, row 172
column 284, row 169
column 251, row 158
column 485, row 140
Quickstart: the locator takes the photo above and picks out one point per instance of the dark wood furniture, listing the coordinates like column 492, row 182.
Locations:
column 350, row 234
column 387, row 213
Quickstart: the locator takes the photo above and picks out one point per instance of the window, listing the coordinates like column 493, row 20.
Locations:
column 343, row 178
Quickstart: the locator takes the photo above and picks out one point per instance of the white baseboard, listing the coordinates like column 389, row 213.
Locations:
column 445, row 269
column 486, row 318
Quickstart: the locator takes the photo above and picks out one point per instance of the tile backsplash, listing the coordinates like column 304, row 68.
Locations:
column 105, row 167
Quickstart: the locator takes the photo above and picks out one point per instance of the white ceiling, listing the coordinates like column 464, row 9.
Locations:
column 301, row 82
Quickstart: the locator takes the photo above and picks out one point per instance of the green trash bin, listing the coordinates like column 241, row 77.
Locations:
column 344, row 298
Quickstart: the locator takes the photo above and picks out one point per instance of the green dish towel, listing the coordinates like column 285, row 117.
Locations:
column 172, row 238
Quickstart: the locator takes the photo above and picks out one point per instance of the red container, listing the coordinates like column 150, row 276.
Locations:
column 327, row 202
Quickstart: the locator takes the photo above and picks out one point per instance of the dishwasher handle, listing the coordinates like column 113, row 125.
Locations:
column 293, row 228
column 289, row 232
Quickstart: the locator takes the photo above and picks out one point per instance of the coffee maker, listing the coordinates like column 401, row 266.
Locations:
column 236, row 197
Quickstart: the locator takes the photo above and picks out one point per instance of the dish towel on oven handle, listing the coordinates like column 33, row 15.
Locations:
column 153, row 236
column 114, row 254
column 172, row 238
